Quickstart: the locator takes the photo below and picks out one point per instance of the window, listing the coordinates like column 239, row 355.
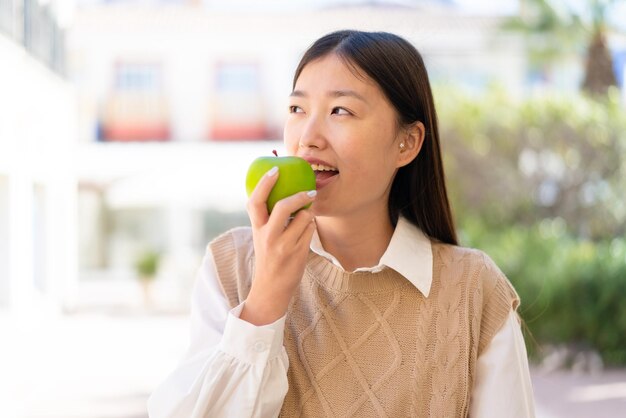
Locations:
column 136, row 107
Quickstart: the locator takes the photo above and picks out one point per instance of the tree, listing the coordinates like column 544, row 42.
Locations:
column 599, row 73
column 556, row 28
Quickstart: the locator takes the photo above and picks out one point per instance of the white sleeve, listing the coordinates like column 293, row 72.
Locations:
column 502, row 387
column 231, row 369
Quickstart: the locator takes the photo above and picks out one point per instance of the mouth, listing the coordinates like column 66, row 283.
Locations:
column 324, row 173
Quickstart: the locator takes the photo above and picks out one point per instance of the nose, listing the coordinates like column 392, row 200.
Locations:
column 313, row 133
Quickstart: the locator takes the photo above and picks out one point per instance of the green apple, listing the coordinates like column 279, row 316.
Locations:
column 294, row 175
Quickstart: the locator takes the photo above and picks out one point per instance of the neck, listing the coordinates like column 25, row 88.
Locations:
column 355, row 241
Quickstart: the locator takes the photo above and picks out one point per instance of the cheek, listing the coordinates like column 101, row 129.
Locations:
column 375, row 167
column 290, row 139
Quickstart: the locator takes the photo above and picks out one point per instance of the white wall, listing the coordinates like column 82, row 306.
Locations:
column 37, row 191
column 4, row 241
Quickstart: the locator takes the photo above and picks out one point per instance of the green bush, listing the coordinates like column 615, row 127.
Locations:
column 147, row 264
column 516, row 162
column 572, row 290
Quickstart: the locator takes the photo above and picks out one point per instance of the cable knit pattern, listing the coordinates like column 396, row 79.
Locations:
column 370, row 344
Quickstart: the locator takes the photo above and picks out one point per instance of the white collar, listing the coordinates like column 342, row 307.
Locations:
column 409, row 253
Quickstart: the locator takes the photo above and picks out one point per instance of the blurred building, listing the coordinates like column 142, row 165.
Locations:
column 175, row 99
column 190, row 71
column 128, row 125
column 37, row 135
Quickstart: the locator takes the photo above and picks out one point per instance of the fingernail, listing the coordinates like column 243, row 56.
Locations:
column 312, row 193
column 272, row 171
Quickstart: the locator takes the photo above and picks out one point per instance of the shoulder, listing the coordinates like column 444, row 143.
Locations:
column 450, row 255
column 233, row 239
column 236, row 243
column 477, row 266
column 233, row 253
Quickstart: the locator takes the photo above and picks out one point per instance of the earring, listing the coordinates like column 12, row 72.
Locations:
column 401, row 146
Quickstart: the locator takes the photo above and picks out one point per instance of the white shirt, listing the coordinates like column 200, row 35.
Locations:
column 235, row 369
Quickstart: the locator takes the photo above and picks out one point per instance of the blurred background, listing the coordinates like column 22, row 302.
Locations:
column 126, row 128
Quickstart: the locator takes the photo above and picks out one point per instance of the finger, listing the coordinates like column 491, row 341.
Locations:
column 297, row 224
column 257, row 204
column 285, row 207
column 301, row 228
column 307, row 235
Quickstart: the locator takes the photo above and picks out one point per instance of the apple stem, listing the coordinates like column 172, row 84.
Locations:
column 274, row 152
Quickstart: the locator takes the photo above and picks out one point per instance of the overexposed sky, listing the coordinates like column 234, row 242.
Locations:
column 489, row 6
column 471, row 6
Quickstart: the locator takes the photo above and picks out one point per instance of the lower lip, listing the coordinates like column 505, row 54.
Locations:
column 321, row 183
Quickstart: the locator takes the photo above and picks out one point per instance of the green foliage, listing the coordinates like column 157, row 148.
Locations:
column 572, row 290
column 518, row 162
column 147, row 264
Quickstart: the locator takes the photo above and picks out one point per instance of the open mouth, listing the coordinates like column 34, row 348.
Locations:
column 324, row 172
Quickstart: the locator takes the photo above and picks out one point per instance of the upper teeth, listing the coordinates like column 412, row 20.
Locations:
column 321, row 167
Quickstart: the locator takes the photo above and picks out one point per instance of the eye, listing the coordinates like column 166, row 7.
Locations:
column 340, row 111
column 295, row 109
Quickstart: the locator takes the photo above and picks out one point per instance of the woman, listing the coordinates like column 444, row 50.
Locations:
column 363, row 305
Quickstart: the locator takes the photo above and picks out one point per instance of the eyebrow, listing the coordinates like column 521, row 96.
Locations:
column 334, row 93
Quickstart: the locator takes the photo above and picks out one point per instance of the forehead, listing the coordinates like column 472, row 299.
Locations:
column 333, row 72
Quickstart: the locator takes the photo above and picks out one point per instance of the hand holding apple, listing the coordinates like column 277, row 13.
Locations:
column 282, row 239
column 295, row 175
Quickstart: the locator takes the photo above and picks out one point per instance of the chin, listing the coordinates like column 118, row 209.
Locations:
column 327, row 211
column 315, row 209
column 320, row 209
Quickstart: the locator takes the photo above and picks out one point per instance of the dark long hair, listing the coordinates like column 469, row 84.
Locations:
column 418, row 191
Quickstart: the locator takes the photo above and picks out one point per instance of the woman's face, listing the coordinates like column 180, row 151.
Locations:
column 345, row 124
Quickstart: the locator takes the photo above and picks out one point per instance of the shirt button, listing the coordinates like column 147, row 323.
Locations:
column 259, row 346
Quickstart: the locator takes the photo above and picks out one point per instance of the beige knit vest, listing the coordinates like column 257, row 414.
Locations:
column 370, row 344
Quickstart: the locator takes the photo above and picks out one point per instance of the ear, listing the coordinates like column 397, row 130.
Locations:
column 410, row 143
